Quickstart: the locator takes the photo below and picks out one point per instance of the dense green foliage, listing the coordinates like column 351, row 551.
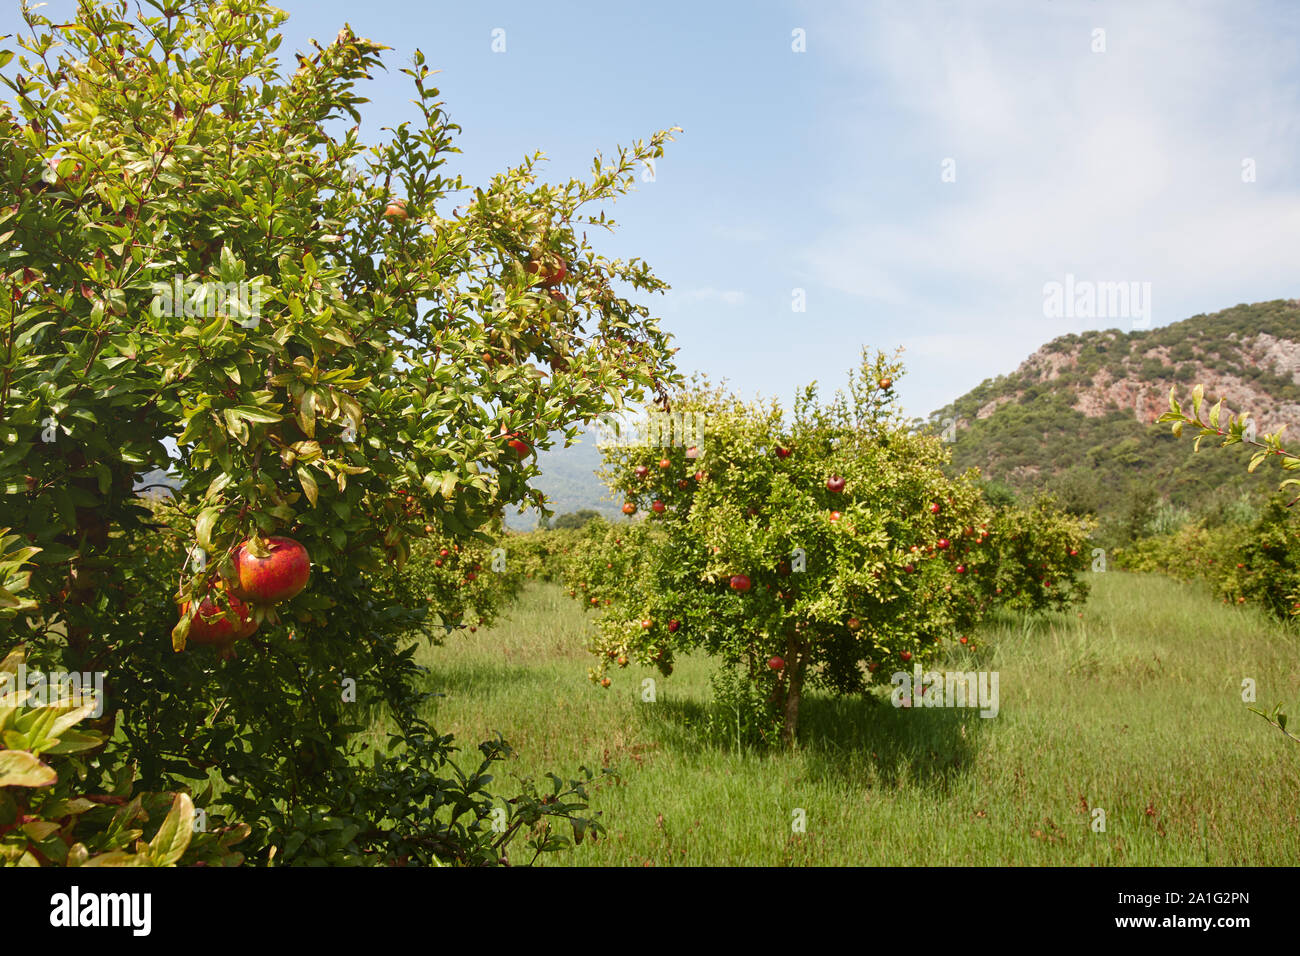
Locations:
column 1257, row 563
column 406, row 344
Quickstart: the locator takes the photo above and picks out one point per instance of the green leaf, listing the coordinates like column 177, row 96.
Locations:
column 172, row 838
column 38, row 830
column 20, row 768
column 218, row 485
column 70, row 718
column 203, row 527
column 180, row 632
column 74, row 742
column 307, row 415
column 340, row 335
column 1198, row 394
column 308, row 484
column 257, row 415
column 1214, row 413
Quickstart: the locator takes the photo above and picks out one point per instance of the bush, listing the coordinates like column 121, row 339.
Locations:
column 49, row 817
column 574, row 519
column 747, row 553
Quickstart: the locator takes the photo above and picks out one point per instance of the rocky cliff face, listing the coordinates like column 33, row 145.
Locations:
column 1089, row 402
column 1105, row 371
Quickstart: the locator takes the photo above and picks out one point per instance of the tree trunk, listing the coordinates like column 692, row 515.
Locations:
column 794, row 688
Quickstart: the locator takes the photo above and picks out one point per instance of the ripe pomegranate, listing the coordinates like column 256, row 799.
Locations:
column 552, row 273
column 396, row 209
column 776, row 664
column 281, row 575
column 629, row 508
column 211, row 626
column 673, row 625
column 658, row 507
column 739, row 582
column 835, row 484
column 641, row 471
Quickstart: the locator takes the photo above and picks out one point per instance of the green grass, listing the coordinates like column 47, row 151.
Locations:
column 1134, row 706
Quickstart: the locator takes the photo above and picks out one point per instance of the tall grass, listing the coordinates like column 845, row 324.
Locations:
column 1133, row 706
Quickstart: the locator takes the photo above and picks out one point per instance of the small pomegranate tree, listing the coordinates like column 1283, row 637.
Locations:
column 824, row 547
column 327, row 347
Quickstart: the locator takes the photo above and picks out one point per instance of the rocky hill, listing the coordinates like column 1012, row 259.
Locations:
column 1078, row 416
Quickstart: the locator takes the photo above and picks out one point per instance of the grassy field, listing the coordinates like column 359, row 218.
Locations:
column 1133, row 706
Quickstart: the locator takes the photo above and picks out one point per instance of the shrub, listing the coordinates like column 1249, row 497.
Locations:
column 759, row 557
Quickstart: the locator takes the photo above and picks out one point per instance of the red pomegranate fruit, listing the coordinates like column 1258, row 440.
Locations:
column 281, row 575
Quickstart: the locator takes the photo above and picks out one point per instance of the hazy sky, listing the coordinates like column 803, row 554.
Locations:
column 1112, row 157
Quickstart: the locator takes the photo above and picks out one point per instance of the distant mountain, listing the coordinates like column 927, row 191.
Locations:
column 1078, row 416
column 569, row 481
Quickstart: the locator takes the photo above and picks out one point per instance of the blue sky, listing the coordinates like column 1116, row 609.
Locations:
column 822, row 170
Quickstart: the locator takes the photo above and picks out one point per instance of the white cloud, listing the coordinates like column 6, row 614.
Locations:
column 1123, row 165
